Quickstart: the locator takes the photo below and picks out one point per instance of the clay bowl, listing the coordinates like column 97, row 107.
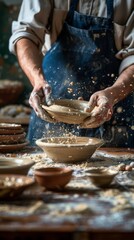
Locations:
column 53, row 178
column 10, row 91
column 68, row 111
column 12, row 186
column 15, row 165
column 101, row 177
column 69, row 149
column 12, row 138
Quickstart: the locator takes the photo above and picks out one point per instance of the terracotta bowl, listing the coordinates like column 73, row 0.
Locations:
column 68, row 111
column 10, row 91
column 12, row 186
column 101, row 177
column 15, row 165
column 69, row 149
column 53, row 177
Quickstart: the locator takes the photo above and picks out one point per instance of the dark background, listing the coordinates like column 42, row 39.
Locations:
column 9, row 67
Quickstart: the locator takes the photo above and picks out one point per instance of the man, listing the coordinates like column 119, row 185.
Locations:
column 89, row 53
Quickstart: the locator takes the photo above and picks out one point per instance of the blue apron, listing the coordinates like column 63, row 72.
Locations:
column 81, row 62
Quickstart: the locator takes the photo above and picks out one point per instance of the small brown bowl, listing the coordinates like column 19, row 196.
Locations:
column 53, row 178
column 11, row 185
column 10, row 91
column 101, row 177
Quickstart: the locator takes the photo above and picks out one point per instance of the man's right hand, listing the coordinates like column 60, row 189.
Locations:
column 41, row 95
column 30, row 60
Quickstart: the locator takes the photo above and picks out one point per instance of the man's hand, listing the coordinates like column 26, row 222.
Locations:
column 102, row 104
column 30, row 60
column 39, row 96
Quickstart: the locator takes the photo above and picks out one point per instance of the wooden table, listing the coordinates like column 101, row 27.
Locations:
column 81, row 211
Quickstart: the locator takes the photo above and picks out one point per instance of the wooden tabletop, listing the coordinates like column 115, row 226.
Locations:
column 80, row 211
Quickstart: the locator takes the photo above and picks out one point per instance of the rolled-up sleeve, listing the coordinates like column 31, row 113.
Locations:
column 32, row 22
column 126, row 48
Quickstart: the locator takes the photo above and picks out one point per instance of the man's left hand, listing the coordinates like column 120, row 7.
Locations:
column 102, row 106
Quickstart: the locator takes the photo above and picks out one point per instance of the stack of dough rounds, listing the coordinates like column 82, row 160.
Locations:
column 12, row 137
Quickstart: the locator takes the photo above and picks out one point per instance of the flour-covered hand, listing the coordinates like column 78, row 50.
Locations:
column 102, row 106
column 39, row 96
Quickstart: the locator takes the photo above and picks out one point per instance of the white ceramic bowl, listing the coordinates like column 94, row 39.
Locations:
column 69, row 149
column 10, row 165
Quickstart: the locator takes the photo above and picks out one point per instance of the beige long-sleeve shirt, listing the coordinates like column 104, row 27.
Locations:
column 42, row 20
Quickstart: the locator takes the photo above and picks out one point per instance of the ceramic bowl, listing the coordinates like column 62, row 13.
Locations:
column 101, row 177
column 12, row 185
column 10, row 91
column 53, row 177
column 68, row 111
column 15, row 165
column 69, row 149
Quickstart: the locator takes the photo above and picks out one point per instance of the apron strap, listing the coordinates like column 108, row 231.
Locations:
column 73, row 5
column 72, row 8
column 110, row 10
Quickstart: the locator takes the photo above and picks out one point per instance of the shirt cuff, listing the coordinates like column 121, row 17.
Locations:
column 126, row 62
column 14, row 39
